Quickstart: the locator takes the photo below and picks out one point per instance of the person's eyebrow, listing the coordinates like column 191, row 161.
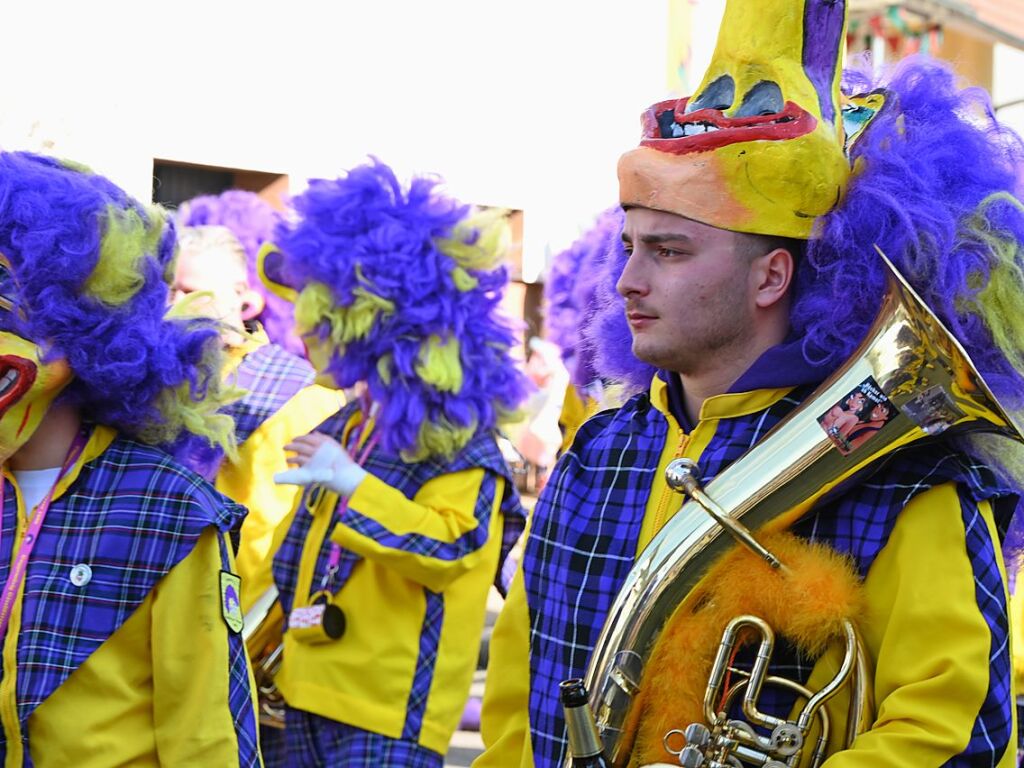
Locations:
column 657, row 238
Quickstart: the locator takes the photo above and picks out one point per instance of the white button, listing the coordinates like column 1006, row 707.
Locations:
column 81, row 575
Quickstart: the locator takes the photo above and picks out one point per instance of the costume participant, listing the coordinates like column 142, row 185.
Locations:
column 251, row 219
column 412, row 507
column 280, row 401
column 742, row 320
column 569, row 294
column 120, row 612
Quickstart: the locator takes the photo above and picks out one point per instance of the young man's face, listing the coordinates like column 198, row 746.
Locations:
column 28, row 386
column 687, row 288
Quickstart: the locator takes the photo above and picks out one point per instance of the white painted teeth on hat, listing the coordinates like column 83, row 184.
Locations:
column 692, row 129
column 8, row 380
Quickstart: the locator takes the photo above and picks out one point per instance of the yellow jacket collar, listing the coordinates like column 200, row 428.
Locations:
column 725, row 406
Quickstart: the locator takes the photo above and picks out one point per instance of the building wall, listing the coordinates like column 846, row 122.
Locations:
column 970, row 55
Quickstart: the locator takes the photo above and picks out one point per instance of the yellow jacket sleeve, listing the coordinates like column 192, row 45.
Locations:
column 928, row 638
column 191, row 714
column 250, row 482
column 505, row 719
column 431, row 539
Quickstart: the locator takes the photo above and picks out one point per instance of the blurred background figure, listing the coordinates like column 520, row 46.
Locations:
column 538, row 438
column 280, row 402
column 569, row 300
column 251, row 219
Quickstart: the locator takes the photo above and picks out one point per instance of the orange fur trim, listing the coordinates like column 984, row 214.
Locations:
column 807, row 607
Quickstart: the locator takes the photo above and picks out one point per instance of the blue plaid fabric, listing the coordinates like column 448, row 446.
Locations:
column 132, row 514
column 240, row 702
column 271, row 376
column 992, row 732
column 430, row 638
column 575, row 564
column 481, row 451
column 273, row 747
column 316, row 742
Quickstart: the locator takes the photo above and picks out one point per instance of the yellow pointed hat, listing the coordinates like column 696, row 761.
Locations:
column 759, row 147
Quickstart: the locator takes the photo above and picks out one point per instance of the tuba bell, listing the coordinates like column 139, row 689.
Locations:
column 262, row 632
column 931, row 388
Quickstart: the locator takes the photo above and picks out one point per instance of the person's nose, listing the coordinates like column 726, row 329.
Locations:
column 632, row 281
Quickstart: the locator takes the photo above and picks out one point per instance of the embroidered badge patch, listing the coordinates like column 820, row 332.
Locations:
column 230, row 601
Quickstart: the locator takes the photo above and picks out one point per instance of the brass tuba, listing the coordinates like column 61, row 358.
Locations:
column 924, row 373
column 262, row 632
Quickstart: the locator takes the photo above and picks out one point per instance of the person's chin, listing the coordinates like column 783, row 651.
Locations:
column 647, row 353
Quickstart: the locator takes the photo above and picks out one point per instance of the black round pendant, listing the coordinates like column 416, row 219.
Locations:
column 334, row 621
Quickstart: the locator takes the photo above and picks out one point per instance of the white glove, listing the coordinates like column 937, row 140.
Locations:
column 321, row 460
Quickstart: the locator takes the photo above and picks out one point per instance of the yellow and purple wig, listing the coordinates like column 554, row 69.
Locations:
column 91, row 267
column 404, row 286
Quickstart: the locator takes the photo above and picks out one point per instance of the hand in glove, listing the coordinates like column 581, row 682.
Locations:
column 320, row 459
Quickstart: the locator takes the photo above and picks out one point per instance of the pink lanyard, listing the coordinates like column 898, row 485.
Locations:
column 17, row 574
column 334, row 560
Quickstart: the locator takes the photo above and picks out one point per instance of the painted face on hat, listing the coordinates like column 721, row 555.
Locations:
column 29, row 382
column 759, row 147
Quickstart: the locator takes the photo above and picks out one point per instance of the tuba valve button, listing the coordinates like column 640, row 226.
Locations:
column 786, row 739
column 697, row 734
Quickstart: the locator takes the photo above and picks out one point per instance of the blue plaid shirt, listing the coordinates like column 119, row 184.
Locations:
column 588, row 520
column 271, row 376
column 131, row 514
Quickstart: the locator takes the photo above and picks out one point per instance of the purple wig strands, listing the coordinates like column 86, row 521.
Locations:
column 571, row 290
column 366, row 234
column 132, row 366
column 924, row 169
column 252, row 220
column 606, row 338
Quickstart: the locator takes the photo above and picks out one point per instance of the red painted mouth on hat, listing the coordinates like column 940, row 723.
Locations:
column 17, row 375
column 668, row 128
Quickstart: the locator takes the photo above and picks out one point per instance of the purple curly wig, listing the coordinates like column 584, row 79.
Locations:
column 91, row 265
column 252, row 220
column 365, row 238
column 929, row 170
column 570, row 292
column 926, row 165
column 606, row 337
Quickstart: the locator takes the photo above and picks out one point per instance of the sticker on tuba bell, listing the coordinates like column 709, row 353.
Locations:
column 858, row 417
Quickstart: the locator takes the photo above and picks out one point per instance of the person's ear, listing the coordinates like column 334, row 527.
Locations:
column 773, row 274
column 252, row 304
